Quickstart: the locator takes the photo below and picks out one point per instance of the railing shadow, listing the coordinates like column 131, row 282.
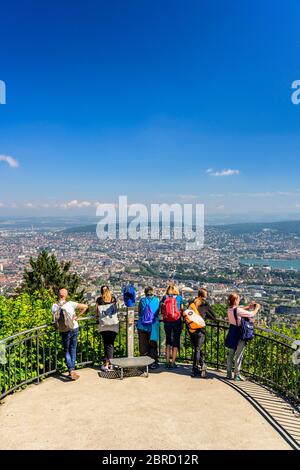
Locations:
column 283, row 417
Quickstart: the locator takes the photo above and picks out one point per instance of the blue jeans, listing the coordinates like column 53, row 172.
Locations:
column 69, row 339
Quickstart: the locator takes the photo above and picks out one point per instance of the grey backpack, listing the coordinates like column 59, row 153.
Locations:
column 62, row 320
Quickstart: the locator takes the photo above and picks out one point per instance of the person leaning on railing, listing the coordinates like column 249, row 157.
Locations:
column 198, row 337
column 171, row 306
column 65, row 314
column 233, row 340
column 148, row 326
column 106, row 311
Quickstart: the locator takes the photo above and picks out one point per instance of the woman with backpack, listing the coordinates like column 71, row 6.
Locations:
column 234, row 340
column 106, row 311
column 202, row 308
column 148, row 326
column 172, row 307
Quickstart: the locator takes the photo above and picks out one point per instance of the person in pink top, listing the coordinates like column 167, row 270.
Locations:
column 236, row 355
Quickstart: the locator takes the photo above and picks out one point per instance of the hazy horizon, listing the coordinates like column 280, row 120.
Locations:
column 82, row 220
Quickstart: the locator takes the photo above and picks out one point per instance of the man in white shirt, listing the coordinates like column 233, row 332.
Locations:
column 69, row 338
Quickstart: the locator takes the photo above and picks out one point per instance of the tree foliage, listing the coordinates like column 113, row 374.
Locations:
column 46, row 273
column 23, row 312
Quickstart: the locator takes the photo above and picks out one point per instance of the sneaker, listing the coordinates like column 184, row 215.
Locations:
column 229, row 376
column 173, row 366
column 204, row 371
column 167, row 365
column 154, row 366
column 104, row 368
column 195, row 373
column 74, row 375
column 239, row 378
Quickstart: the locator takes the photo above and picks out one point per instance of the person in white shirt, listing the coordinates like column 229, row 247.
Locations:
column 236, row 355
column 69, row 338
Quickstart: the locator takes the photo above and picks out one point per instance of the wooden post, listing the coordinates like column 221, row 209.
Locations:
column 130, row 333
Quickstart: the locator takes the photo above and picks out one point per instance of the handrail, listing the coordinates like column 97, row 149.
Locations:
column 90, row 317
column 37, row 352
column 276, row 333
column 25, row 332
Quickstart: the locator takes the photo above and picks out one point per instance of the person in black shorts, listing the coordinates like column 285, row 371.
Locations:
column 108, row 333
column 173, row 328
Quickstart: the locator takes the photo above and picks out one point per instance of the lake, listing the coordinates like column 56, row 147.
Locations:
column 272, row 263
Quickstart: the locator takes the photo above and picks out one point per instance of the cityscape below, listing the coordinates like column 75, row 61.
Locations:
column 261, row 261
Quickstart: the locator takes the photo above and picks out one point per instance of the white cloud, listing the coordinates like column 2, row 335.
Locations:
column 228, row 172
column 12, row 162
column 75, row 204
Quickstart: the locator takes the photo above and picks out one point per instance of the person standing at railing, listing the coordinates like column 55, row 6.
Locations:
column 106, row 311
column 234, row 340
column 148, row 326
column 65, row 319
column 171, row 307
column 198, row 336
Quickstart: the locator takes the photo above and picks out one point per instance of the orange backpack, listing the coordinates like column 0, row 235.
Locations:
column 193, row 319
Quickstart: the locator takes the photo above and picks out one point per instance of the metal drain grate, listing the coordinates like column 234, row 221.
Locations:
column 116, row 373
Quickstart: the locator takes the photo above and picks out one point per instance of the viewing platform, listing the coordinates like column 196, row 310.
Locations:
column 168, row 410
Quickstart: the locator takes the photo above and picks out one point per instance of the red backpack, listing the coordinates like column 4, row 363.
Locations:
column 170, row 309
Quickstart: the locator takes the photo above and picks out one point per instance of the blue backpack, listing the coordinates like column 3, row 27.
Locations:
column 247, row 329
column 244, row 332
column 147, row 315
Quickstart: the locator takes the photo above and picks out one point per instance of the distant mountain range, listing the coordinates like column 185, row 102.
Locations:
column 287, row 227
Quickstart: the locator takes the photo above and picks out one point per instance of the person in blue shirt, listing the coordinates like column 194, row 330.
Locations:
column 172, row 328
column 148, row 326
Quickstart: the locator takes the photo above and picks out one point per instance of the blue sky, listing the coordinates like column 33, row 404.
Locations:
column 142, row 98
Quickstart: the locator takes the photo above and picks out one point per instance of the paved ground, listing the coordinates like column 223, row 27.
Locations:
column 166, row 411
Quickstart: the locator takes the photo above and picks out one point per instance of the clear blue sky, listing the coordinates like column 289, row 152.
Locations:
column 142, row 97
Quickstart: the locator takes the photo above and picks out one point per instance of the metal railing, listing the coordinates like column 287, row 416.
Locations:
column 34, row 354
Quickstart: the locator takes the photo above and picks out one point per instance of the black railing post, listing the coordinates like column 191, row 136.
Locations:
column 55, row 347
column 218, row 345
column 297, row 391
column 38, row 356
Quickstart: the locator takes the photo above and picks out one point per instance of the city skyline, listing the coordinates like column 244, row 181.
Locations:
column 174, row 105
